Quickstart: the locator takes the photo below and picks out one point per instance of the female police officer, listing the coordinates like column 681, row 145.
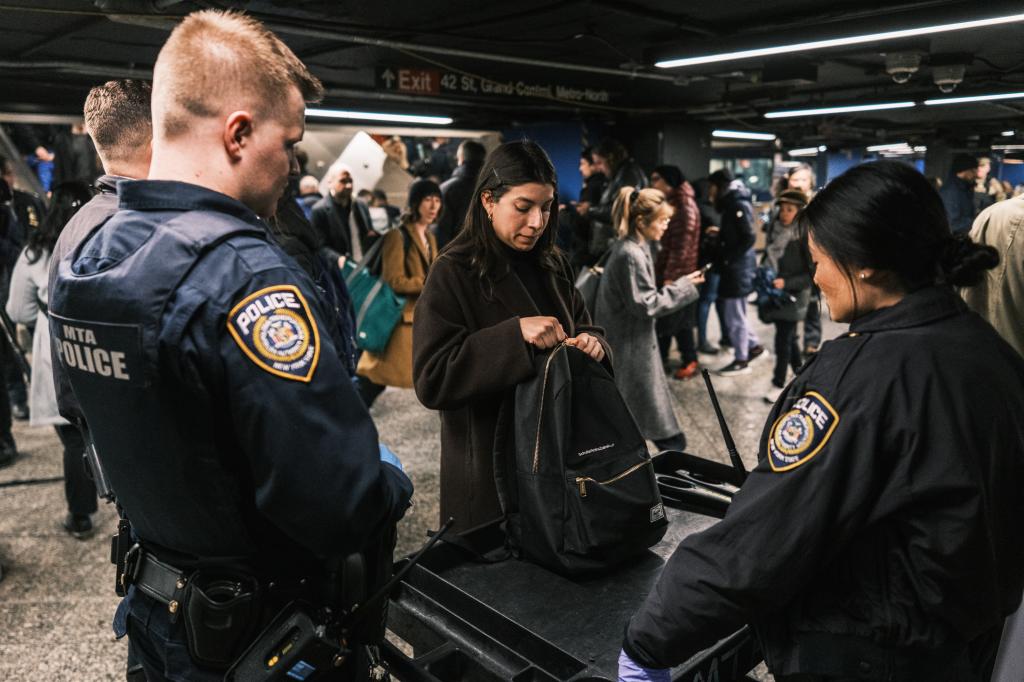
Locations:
column 879, row 537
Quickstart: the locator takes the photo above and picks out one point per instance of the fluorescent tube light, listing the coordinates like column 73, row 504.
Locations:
column 1007, row 147
column 822, row 148
column 804, row 151
column 742, row 135
column 974, row 98
column 371, row 116
column 838, row 110
column 1008, row 133
column 838, row 42
column 888, row 147
column 921, row 149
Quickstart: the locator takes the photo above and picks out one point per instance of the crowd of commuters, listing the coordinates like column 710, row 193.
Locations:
column 486, row 264
column 694, row 256
column 969, row 189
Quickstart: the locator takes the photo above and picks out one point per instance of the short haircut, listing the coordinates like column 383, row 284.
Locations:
column 217, row 61
column 118, row 118
column 308, row 184
column 473, row 153
column 380, row 195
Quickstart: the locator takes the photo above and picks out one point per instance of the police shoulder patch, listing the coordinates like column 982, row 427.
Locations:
column 275, row 329
column 800, row 434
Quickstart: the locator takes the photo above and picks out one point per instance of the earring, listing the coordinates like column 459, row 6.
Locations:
column 863, row 276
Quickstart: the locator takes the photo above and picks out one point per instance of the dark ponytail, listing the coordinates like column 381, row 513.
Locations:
column 964, row 262
column 887, row 216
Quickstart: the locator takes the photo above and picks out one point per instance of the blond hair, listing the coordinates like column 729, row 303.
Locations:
column 117, row 118
column 215, row 62
column 634, row 208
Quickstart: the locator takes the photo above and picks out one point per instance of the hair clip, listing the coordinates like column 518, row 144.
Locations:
column 498, row 177
column 634, row 196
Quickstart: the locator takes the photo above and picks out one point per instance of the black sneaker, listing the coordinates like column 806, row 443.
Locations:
column 78, row 526
column 733, row 368
column 707, row 349
column 755, row 352
column 19, row 411
column 8, row 453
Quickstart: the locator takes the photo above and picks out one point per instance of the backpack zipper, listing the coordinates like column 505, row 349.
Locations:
column 543, row 397
column 581, row 481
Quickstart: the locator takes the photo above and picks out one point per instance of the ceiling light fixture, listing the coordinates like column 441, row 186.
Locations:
column 838, row 110
column 373, row 116
column 742, row 135
column 838, row 42
column 974, row 98
column 1007, row 147
column 888, row 147
column 1008, row 133
column 804, row 151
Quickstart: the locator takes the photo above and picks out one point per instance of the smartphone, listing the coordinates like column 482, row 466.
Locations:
column 707, row 268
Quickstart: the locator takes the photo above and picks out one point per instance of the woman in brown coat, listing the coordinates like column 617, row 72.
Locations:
column 500, row 291
column 406, row 254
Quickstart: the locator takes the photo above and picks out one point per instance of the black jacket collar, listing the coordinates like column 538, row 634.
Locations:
column 917, row 308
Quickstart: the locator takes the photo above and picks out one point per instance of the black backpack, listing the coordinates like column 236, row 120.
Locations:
column 577, row 485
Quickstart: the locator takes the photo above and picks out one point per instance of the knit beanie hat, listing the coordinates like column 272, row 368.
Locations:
column 792, row 196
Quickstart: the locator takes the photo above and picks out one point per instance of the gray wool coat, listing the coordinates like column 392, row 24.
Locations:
column 628, row 302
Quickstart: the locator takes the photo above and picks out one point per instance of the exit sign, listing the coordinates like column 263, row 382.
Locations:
column 410, row 81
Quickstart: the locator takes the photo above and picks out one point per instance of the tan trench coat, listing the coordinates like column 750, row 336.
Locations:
column 405, row 271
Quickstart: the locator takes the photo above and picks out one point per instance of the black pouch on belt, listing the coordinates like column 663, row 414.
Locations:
column 222, row 614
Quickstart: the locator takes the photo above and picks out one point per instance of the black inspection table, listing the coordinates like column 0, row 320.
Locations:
column 515, row 621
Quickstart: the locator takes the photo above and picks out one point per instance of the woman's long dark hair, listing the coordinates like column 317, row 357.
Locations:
column 510, row 165
column 65, row 201
column 886, row 216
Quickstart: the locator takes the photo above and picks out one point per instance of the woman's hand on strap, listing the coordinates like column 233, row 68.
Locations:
column 589, row 345
column 542, row 331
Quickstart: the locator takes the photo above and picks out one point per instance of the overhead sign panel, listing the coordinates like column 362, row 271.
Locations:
column 435, row 82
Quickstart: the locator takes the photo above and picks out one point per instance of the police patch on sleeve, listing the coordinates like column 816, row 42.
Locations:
column 276, row 330
column 801, row 433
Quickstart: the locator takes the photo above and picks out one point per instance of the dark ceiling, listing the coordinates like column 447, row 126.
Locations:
column 488, row 64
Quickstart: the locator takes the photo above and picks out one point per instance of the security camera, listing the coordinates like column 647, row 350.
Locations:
column 902, row 65
column 949, row 76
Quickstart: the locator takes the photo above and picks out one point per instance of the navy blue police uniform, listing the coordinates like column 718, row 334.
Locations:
column 218, row 402
column 879, row 537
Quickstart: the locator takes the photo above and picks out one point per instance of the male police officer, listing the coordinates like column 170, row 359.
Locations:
column 117, row 119
column 203, row 364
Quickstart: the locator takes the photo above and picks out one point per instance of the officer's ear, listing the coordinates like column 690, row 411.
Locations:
column 237, row 133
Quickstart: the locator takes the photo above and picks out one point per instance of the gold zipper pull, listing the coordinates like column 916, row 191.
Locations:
column 583, row 486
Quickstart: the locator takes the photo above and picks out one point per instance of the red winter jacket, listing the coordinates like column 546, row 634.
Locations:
column 680, row 243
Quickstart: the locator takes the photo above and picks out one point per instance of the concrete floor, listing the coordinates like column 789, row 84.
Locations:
column 57, row 599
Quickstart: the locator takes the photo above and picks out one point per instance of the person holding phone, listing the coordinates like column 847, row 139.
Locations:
column 629, row 300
